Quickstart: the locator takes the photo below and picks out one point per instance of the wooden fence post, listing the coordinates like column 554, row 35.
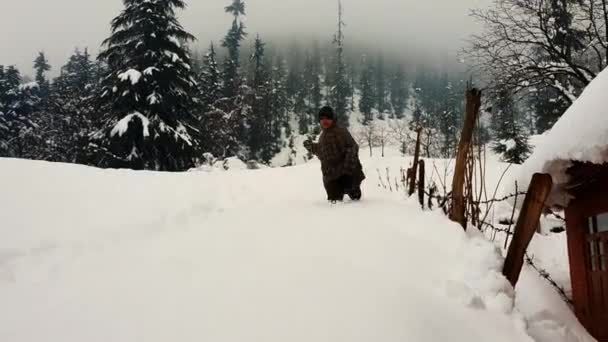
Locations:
column 412, row 182
column 532, row 208
column 421, row 183
column 457, row 212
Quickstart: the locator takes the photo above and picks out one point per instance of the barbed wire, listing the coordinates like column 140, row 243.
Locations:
column 545, row 275
column 502, row 199
column 442, row 201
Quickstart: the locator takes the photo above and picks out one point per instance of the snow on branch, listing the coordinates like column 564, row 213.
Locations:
column 130, row 75
column 122, row 126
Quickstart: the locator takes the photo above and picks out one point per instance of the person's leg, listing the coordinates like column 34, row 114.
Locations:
column 352, row 188
column 355, row 194
column 335, row 190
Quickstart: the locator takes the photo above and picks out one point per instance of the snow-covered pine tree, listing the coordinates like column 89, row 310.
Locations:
column 450, row 114
column 237, row 99
column 42, row 66
column 340, row 86
column 232, row 42
column 547, row 105
column 68, row 120
column 295, row 84
column 295, row 76
column 566, row 36
column 280, row 101
column 216, row 135
column 314, row 81
column 510, row 138
column 260, row 84
column 367, row 99
column 197, row 61
column 417, row 118
column 399, row 92
column 304, row 116
column 352, row 78
column 149, row 89
column 482, row 134
column 17, row 102
column 311, row 91
column 262, row 137
column 380, row 90
column 209, row 80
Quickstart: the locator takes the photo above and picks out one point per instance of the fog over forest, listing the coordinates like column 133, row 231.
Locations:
column 415, row 31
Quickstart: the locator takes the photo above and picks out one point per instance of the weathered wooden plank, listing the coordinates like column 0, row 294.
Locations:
column 457, row 212
column 533, row 205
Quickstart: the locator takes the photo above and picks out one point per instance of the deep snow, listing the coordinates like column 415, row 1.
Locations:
column 115, row 255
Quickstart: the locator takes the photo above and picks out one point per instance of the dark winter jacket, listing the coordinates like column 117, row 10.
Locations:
column 339, row 155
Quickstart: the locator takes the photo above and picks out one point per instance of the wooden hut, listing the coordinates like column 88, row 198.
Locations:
column 587, row 229
column 575, row 154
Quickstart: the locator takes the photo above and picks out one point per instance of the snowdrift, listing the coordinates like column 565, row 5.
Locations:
column 244, row 255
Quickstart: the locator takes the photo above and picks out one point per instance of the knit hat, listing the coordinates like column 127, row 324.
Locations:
column 327, row 112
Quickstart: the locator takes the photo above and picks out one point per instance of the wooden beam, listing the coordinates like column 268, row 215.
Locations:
column 457, row 212
column 532, row 208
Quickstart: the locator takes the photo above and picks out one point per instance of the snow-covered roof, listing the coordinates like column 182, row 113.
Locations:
column 581, row 134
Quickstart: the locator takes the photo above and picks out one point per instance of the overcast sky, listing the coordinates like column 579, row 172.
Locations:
column 58, row 26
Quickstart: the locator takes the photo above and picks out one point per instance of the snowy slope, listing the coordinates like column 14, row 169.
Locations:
column 104, row 255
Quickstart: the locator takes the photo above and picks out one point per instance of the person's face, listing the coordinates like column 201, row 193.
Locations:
column 326, row 122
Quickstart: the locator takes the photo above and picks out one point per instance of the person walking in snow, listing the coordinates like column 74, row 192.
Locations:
column 339, row 156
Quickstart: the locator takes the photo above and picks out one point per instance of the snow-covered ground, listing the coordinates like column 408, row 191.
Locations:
column 249, row 255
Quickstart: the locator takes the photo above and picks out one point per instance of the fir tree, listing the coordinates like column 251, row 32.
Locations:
column 232, row 42
column 295, row 77
column 17, row 103
column 311, row 91
column 72, row 109
column 238, row 111
column 216, row 135
column 548, row 106
column 302, row 100
column 352, row 88
column 295, row 83
column 197, row 62
column 450, row 115
column 237, row 94
column 417, row 118
column 209, row 80
column 280, row 101
column 566, row 37
column 399, row 92
column 260, row 134
column 510, row 139
column 340, row 85
column 149, row 89
column 41, row 65
column 366, row 86
column 380, row 90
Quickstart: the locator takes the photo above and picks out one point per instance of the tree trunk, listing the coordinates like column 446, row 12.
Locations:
column 421, row 183
column 539, row 190
column 412, row 183
column 457, row 213
column 427, row 147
